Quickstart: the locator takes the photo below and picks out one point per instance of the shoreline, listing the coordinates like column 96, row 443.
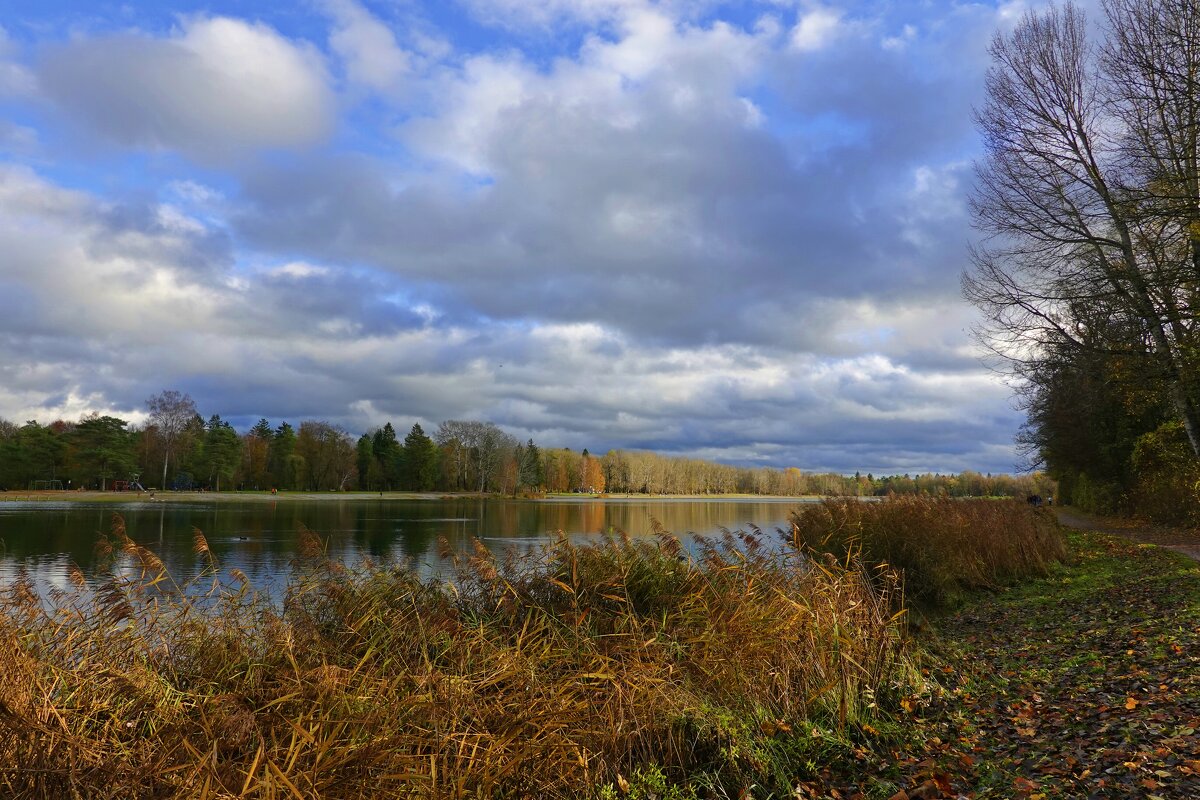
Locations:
column 93, row 496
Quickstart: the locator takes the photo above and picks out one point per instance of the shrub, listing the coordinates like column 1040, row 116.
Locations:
column 1166, row 477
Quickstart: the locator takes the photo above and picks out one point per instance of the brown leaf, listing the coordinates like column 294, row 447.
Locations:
column 926, row 791
column 1024, row 785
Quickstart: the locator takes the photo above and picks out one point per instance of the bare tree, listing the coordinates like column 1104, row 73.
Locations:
column 1088, row 192
column 170, row 412
column 483, row 443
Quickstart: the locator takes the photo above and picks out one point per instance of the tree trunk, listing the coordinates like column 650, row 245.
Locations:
column 1188, row 414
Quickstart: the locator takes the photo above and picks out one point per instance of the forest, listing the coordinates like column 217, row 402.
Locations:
column 178, row 449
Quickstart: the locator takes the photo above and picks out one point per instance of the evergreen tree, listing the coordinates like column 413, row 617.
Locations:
column 103, row 449
column 256, row 451
column 364, row 456
column 387, row 454
column 530, row 462
column 222, row 451
column 420, row 461
column 285, row 471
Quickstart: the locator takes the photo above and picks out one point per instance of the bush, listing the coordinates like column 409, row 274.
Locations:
column 1166, row 477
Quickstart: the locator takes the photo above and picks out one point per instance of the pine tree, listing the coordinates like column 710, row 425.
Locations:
column 282, row 457
column 388, row 456
column 531, row 466
column 420, row 461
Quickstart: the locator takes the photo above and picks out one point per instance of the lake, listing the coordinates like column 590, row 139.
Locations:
column 259, row 536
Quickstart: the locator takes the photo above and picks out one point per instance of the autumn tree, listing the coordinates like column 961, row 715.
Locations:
column 328, row 453
column 592, row 474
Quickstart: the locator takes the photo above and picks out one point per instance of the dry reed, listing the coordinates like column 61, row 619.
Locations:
column 942, row 547
column 550, row 674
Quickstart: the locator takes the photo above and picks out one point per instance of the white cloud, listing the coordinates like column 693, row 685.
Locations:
column 216, row 88
column 367, row 47
column 816, row 28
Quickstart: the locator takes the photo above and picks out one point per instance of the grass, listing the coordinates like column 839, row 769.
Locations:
column 742, row 666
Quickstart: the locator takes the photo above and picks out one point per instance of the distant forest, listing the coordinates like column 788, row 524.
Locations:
column 178, row 449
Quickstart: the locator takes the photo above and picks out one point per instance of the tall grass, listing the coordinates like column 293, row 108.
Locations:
column 942, row 547
column 550, row 674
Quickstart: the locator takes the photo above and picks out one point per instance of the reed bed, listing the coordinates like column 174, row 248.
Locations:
column 739, row 662
column 942, row 548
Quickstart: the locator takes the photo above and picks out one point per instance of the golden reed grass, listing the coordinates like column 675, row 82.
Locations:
column 941, row 547
column 552, row 674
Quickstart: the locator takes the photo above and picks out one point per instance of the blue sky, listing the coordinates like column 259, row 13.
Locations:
column 732, row 230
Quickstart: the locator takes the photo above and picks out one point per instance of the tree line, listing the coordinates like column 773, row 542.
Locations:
column 177, row 448
column 1089, row 280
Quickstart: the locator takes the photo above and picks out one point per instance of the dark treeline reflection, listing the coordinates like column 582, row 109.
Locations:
column 259, row 538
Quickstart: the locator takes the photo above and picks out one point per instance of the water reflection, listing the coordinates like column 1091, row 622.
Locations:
column 260, row 537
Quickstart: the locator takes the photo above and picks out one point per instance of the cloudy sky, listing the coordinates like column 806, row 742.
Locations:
column 726, row 229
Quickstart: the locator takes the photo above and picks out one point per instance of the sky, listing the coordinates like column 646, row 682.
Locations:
column 732, row 230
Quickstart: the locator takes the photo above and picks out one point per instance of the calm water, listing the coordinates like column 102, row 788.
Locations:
column 259, row 537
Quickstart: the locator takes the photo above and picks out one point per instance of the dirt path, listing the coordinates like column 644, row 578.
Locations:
column 1181, row 540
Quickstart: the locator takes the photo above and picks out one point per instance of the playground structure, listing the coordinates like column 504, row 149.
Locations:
column 128, row 486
